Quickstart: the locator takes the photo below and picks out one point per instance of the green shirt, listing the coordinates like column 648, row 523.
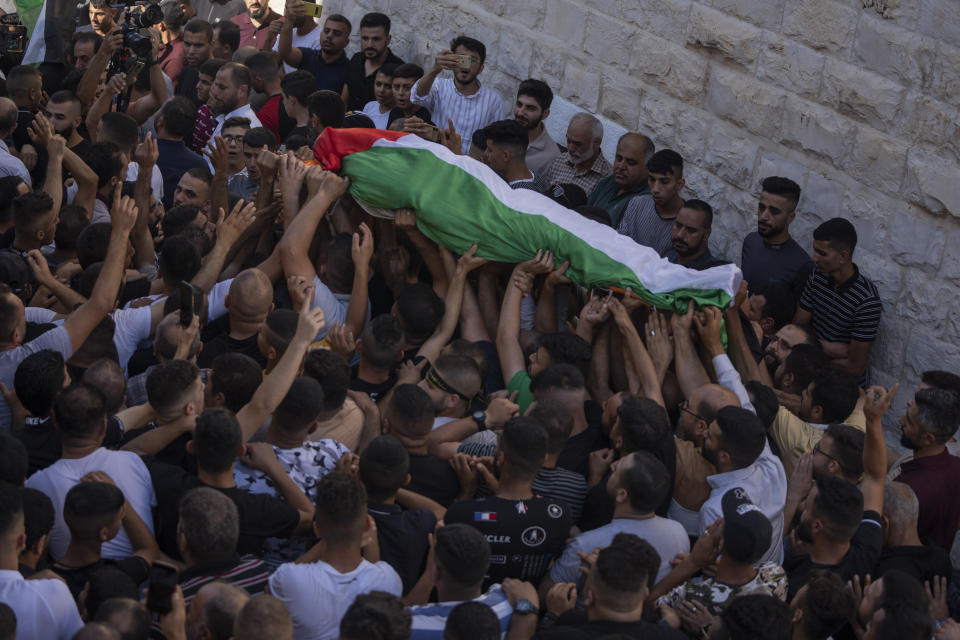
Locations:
column 604, row 195
column 521, row 382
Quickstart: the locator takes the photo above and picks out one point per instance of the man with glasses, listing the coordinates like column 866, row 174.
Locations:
column 234, row 129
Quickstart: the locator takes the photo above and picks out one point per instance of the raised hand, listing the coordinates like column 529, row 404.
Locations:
column 468, row 261
column 659, row 345
column 292, row 173
column 878, row 400
column 362, row 250
column 541, row 263
column 147, row 152
column 39, row 267
column 341, row 341
column 231, row 227
column 310, row 322
column 123, row 213
column 40, row 130
column 216, row 151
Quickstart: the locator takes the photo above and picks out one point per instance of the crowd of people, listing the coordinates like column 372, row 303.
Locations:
column 236, row 405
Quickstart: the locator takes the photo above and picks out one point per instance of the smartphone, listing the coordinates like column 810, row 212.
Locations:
column 133, row 72
column 432, row 134
column 162, row 582
column 191, row 298
column 313, row 9
column 465, row 61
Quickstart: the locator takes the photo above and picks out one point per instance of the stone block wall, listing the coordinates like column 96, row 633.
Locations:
column 856, row 100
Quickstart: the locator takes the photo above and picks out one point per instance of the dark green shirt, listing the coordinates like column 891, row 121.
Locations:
column 604, row 195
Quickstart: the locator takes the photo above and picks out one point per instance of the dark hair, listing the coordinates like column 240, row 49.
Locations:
column 624, row 569
column 779, row 303
column 239, row 75
column 703, row 207
column 178, row 218
column 462, row 553
column 92, row 243
column 107, row 583
column 470, row 44
column 743, row 435
column 557, row 376
column 11, row 506
column 848, row 449
column 754, row 617
column 382, row 342
column 8, row 191
column 91, row 506
column 472, row 621
column 297, row 140
column 420, row 310
column 538, row 90
column 85, row 36
column 210, row 523
column 935, row 378
column 73, row 220
column 783, row 187
column 212, row 66
column 217, row 439
column 840, row 505
column 299, row 84
column 228, row 33
column 836, row 393
column 340, row 267
column 107, row 375
column 279, row 328
column 764, row 400
column 38, row 515
column 236, row 121
column 647, row 482
column 19, row 79
column 336, row 17
column 643, row 424
column 666, row 161
column 79, row 411
column 120, row 129
column 332, row 373
column 937, row 412
column 341, row 507
column 411, row 409
column 510, row 134
column 300, row 407
column 199, row 25
column 524, row 445
column 556, row 421
column 904, row 623
column 805, row 362
column 827, row 606
column 198, row 238
column 179, row 116
column 384, row 466
column 13, row 459
column 38, row 380
column 30, row 208
column 179, row 260
column 328, row 107
column 373, row 19
column 8, row 119
column 839, row 232
column 125, row 615
column 104, row 159
column 567, row 348
column 408, row 70
column 376, row 615
column 168, row 383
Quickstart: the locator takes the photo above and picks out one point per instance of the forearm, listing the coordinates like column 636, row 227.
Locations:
column 680, row 574
column 296, row 240
column 420, row 593
column 219, row 195
column 86, row 180
column 508, row 334
column 448, row 324
column 487, row 299
column 426, row 82
column 690, row 372
column 740, row 353
column 212, row 266
column 411, row 500
column 371, row 427
column 135, row 417
column 105, row 290
column 521, row 627
column 874, row 451
column 273, row 388
column 87, row 88
column 100, row 106
column 52, row 183
column 598, row 378
column 643, row 365
column 287, row 488
column 357, row 308
column 285, row 45
column 455, row 431
column 545, row 320
column 432, row 259
column 143, row 249
column 141, row 539
column 154, row 441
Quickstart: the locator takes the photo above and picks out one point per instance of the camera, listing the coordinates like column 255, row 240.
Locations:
column 13, row 35
column 140, row 16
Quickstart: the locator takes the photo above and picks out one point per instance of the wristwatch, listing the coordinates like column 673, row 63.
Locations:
column 524, row 607
column 480, row 417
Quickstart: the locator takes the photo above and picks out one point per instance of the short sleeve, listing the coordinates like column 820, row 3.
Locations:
column 867, row 321
column 216, row 300
column 39, row 314
column 520, row 382
column 806, row 301
column 63, row 608
column 333, row 311
column 567, row 566
column 132, row 328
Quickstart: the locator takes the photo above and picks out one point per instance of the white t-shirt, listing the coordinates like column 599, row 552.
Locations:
column 156, row 178
column 44, row 608
column 317, row 595
column 309, row 41
column 132, row 328
column 216, row 300
column 372, row 109
column 128, row 472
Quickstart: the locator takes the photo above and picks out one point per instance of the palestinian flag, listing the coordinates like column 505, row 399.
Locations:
column 460, row 201
column 50, row 23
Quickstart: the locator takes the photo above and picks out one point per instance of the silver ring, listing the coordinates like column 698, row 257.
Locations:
column 653, row 333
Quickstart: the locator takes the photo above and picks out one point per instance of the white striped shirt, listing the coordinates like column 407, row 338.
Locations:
column 850, row 311
column 468, row 113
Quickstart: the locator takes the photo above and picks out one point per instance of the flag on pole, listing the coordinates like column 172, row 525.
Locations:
column 49, row 26
column 460, row 201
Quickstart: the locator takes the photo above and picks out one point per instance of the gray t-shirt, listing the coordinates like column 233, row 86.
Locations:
column 642, row 223
column 666, row 536
column 56, row 339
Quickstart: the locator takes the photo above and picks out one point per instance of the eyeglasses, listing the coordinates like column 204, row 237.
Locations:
column 233, row 139
column 684, row 406
column 817, row 449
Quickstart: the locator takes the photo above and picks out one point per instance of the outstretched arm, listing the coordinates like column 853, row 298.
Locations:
column 649, row 381
column 295, row 244
column 448, row 324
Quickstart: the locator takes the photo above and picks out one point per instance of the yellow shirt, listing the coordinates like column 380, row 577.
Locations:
column 794, row 437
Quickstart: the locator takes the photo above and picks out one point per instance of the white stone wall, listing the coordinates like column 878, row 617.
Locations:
column 856, row 100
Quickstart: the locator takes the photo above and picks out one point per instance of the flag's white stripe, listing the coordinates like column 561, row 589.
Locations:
column 657, row 274
column 36, row 51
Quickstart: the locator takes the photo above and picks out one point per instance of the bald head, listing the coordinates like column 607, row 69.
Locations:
column 8, row 116
column 637, row 142
column 214, row 609
column 263, row 617
column 168, row 337
column 584, row 136
column 714, row 397
column 250, row 297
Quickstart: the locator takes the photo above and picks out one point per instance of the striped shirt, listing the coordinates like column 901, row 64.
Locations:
column 642, row 223
column 248, row 573
column 468, row 113
column 563, row 171
column 535, row 183
column 845, row 312
column 429, row 620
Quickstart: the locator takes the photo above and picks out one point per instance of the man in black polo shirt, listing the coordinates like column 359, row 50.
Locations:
column 525, row 531
column 375, row 52
column 840, row 302
column 769, row 254
column 329, row 63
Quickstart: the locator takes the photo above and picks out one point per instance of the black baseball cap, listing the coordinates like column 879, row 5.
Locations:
column 746, row 531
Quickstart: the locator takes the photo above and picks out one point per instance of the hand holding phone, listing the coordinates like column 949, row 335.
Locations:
column 191, row 298
column 312, row 9
column 162, row 582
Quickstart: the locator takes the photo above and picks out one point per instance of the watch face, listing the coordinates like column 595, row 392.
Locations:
column 524, row 606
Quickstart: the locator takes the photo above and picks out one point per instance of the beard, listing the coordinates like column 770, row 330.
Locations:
column 709, row 455
column 66, row 132
column 258, row 13
column 530, row 124
column 226, row 106
column 803, row 533
column 906, row 442
column 577, row 158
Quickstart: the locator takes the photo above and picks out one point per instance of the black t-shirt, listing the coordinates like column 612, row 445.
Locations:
column 576, row 453
column 861, row 558
column 42, row 440
column 134, row 566
column 433, row 477
column 402, row 534
column 361, row 84
column 261, row 516
column 524, row 535
column 223, row 343
column 923, row 563
column 175, row 453
column 603, row 628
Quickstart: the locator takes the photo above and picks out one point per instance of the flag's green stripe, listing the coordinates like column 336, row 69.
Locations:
column 29, row 12
column 392, row 178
